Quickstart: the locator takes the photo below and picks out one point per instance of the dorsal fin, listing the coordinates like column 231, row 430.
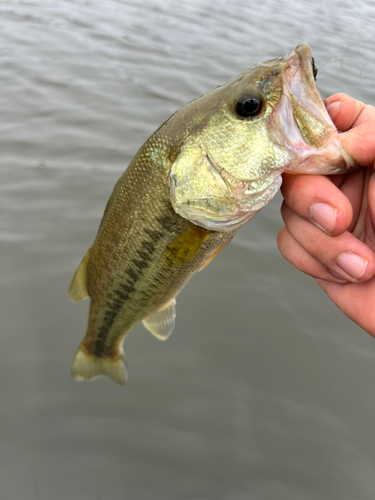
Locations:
column 78, row 289
column 161, row 323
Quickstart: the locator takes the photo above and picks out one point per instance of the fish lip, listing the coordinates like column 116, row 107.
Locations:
column 299, row 71
column 304, row 52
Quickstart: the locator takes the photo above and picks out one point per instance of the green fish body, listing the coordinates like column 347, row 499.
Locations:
column 203, row 174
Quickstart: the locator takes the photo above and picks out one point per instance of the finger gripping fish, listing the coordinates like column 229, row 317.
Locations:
column 202, row 175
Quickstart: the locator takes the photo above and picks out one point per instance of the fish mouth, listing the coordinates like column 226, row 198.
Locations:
column 312, row 134
column 309, row 112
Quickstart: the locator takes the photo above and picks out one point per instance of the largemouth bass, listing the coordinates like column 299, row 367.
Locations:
column 202, row 175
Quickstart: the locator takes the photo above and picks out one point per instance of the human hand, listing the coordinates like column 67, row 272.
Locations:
column 329, row 230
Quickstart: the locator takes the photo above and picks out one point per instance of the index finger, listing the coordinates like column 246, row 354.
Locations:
column 344, row 110
column 316, row 199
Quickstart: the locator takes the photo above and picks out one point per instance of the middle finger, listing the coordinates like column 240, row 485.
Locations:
column 343, row 254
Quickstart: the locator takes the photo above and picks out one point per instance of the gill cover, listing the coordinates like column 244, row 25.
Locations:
column 210, row 197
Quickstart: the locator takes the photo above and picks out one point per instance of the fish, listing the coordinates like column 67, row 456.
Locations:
column 204, row 173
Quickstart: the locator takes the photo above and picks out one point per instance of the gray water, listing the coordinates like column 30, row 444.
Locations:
column 265, row 390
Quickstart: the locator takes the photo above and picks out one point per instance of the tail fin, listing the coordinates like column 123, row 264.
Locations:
column 86, row 366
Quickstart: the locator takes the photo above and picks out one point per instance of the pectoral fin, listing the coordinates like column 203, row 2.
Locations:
column 78, row 289
column 161, row 323
column 215, row 254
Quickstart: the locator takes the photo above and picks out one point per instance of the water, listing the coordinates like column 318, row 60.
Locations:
column 264, row 390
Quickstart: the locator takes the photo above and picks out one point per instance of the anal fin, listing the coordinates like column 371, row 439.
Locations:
column 78, row 289
column 161, row 323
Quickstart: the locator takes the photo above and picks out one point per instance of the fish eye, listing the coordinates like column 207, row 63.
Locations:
column 314, row 69
column 249, row 105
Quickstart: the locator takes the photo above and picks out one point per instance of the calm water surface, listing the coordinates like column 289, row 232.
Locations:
column 265, row 390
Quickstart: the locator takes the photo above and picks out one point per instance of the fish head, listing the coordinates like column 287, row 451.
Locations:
column 243, row 135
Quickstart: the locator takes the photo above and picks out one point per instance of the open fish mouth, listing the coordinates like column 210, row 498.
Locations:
column 309, row 112
column 308, row 126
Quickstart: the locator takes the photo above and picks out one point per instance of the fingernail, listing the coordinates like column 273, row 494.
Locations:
column 352, row 264
column 324, row 216
column 334, row 109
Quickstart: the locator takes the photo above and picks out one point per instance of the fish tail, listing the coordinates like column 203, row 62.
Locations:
column 86, row 366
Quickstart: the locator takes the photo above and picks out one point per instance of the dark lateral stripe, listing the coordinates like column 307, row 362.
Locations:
column 125, row 290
